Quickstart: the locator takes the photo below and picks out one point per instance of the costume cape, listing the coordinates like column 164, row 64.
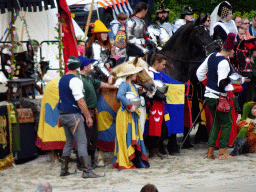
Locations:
column 49, row 135
column 174, row 106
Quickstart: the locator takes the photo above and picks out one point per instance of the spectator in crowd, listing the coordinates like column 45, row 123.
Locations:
column 130, row 150
column 241, row 34
column 90, row 85
column 149, row 188
column 185, row 17
column 117, row 34
column 246, row 137
column 218, row 68
column 44, row 186
column 207, row 23
column 161, row 29
column 246, row 25
column 81, row 45
column 71, row 105
column 225, row 25
column 252, row 26
column 238, row 21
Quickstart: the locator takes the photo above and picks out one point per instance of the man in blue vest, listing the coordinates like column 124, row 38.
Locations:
column 71, row 105
column 218, row 84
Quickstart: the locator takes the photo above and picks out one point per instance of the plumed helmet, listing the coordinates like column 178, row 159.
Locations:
column 186, row 10
column 99, row 27
column 224, row 8
column 161, row 8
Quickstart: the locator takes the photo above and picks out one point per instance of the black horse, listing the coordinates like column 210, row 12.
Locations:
column 185, row 51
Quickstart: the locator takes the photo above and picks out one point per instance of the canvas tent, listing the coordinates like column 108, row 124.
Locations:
column 40, row 26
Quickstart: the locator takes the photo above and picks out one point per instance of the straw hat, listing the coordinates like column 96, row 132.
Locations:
column 99, row 27
column 129, row 70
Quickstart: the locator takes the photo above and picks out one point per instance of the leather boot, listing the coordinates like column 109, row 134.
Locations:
column 64, row 166
column 172, row 145
column 210, row 153
column 87, row 170
column 223, row 154
column 92, row 154
column 153, row 153
column 239, row 145
column 201, row 134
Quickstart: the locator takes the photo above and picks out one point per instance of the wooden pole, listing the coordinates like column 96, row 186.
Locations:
column 12, row 42
column 88, row 20
column 60, row 54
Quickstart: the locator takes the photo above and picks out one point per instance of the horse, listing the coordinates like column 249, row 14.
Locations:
column 186, row 50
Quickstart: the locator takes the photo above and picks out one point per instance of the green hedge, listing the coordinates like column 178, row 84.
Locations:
column 241, row 8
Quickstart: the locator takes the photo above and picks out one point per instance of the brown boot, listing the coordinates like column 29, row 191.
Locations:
column 210, row 153
column 223, row 154
column 153, row 153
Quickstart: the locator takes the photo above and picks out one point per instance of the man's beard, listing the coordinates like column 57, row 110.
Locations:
column 162, row 20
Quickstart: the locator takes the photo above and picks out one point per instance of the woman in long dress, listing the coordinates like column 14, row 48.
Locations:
column 130, row 150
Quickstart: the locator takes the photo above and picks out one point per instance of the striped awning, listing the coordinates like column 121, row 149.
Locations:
column 26, row 5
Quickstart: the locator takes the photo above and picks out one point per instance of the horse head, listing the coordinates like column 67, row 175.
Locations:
column 202, row 38
column 187, row 49
column 143, row 77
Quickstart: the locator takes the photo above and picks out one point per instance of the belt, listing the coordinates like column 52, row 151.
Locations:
column 64, row 112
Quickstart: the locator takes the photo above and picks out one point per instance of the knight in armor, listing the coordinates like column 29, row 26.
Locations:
column 221, row 21
column 161, row 30
column 136, row 31
column 186, row 16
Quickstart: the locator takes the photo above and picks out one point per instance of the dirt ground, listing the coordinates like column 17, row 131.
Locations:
column 184, row 172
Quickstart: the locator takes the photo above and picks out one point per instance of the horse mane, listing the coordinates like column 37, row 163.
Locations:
column 180, row 37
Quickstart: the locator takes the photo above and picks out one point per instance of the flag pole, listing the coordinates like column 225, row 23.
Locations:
column 88, row 20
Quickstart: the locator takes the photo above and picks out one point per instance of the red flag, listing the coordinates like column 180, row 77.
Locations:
column 69, row 39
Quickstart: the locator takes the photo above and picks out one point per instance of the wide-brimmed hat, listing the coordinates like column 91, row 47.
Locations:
column 186, row 10
column 162, row 8
column 230, row 41
column 129, row 69
column 74, row 63
column 99, row 27
column 85, row 61
column 224, row 8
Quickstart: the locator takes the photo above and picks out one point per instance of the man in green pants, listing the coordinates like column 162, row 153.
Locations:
column 218, row 83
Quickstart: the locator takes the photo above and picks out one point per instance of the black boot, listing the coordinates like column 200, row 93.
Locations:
column 87, row 170
column 187, row 144
column 201, row 134
column 64, row 166
column 172, row 145
column 239, row 145
column 92, row 154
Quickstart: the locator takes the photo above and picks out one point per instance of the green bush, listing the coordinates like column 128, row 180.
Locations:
column 241, row 8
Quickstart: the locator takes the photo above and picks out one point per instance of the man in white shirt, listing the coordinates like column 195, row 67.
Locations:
column 218, row 83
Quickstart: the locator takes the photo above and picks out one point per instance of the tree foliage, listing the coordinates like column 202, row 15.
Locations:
column 243, row 8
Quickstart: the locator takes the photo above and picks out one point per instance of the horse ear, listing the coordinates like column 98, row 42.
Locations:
column 144, row 57
column 135, row 60
column 203, row 18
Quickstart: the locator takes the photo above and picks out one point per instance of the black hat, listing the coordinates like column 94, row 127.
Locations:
column 224, row 8
column 74, row 63
column 186, row 10
column 162, row 8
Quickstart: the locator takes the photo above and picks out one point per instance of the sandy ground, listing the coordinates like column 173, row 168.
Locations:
column 185, row 172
